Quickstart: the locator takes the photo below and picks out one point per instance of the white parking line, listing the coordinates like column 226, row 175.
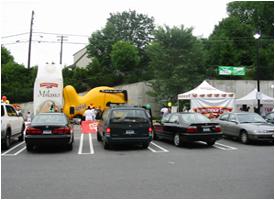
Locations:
column 224, row 147
column 11, row 149
column 163, row 149
column 81, row 144
column 18, row 152
column 90, row 144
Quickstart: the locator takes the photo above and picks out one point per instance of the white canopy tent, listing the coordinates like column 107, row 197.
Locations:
column 205, row 90
column 208, row 100
column 251, row 98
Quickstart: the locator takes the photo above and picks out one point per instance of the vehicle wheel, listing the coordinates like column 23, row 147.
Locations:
column 7, row 141
column 244, row 137
column 210, row 143
column 29, row 147
column 70, row 146
column 106, row 144
column 177, row 140
column 21, row 137
column 145, row 145
column 98, row 137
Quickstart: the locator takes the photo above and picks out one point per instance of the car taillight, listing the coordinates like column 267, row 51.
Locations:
column 192, row 129
column 217, row 128
column 150, row 130
column 33, row 131
column 108, row 131
column 64, row 130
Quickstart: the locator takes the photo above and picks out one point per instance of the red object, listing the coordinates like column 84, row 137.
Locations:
column 65, row 130
column 192, row 129
column 217, row 129
column 33, row 131
column 4, row 98
column 89, row 126
column 108, row 131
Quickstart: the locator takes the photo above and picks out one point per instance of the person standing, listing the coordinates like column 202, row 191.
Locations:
column 164, row 111
column 89, row 114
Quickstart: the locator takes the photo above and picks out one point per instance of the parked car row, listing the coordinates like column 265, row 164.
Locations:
column 133, row 125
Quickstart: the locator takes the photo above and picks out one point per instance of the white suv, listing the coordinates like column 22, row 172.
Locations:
column 12, row 125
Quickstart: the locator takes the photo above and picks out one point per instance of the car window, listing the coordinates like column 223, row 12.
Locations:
column 11, row 111
column 224, row 117
column 250, row 118
column 174, row 119
column 49, row 119
column 105, row 115
column 2, row 110
column 270, row 116
column 232, row 118
column 165, row 118
column 194, row 118
column 128, row 115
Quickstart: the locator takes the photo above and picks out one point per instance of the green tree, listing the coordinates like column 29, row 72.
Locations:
column 128, row 26
column 232, row 41
column 177, row 61
column 125, row 59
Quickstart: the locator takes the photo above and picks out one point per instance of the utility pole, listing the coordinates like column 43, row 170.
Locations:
column 30, row 42
column 61, row 47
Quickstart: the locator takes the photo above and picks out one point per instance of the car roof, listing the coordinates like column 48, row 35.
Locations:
column 51, row 113
column 126, row 108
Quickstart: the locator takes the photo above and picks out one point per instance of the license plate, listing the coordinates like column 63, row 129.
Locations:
column 47, row 132
column 129, row 132
column 206, row 129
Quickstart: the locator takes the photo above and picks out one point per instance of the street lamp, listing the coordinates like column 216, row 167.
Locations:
column 257, row 37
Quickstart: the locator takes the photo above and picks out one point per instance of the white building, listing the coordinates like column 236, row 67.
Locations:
column 81, row 59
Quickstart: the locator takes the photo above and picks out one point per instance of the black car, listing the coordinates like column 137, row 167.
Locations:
column 187, row 127
column 50, row 128
column 125, row 125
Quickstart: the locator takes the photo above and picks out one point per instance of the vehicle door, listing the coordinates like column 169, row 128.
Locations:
column 13, row 119
column 223, row 121
column 172, row 126
column 233, row 125
column 160, row 127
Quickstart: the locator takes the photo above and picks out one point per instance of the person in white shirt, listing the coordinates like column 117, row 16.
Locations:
column 164, row 111
column 90, row 114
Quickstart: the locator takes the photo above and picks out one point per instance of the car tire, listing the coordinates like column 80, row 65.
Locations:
column 177, row 141
column 21, row 137
column 145, row 145
column 7, row 141
column 244, row 137
column 98, row 137
column 29, row 147
column 210, row 143
column 70, row 146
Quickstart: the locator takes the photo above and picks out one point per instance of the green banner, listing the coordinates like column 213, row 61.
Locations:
column 231, row 71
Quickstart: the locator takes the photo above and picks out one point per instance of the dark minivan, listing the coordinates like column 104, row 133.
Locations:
column 125, row 125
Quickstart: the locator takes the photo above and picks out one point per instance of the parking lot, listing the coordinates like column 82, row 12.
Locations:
column 228, row 169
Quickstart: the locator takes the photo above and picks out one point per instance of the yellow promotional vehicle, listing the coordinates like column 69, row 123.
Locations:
column 99, row 97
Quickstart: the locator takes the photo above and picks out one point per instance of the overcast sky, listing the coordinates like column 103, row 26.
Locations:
column 83, row 17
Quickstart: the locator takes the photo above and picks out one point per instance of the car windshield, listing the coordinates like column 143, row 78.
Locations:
column 250, row 118
column 195, row 118
column 128, row 116
column 49, row 119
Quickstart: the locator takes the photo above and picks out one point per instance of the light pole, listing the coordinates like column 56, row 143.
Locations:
column 257, row 37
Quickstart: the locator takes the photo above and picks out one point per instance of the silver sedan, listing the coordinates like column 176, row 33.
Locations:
column 246, row 126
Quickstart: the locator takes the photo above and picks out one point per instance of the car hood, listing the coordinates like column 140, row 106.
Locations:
column 257, row 126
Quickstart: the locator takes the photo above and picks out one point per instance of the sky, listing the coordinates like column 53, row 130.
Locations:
column 78, row 19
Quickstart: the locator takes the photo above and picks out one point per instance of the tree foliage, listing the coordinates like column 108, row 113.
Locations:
column 177, row 61
column 130, row 27
column 232, row 42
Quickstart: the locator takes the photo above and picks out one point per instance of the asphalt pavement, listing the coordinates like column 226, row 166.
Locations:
column 229, row 169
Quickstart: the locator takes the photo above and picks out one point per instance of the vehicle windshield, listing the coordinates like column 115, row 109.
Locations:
column 250, row 118
column 195, row 118
column 49, row 119
column 128, row 116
